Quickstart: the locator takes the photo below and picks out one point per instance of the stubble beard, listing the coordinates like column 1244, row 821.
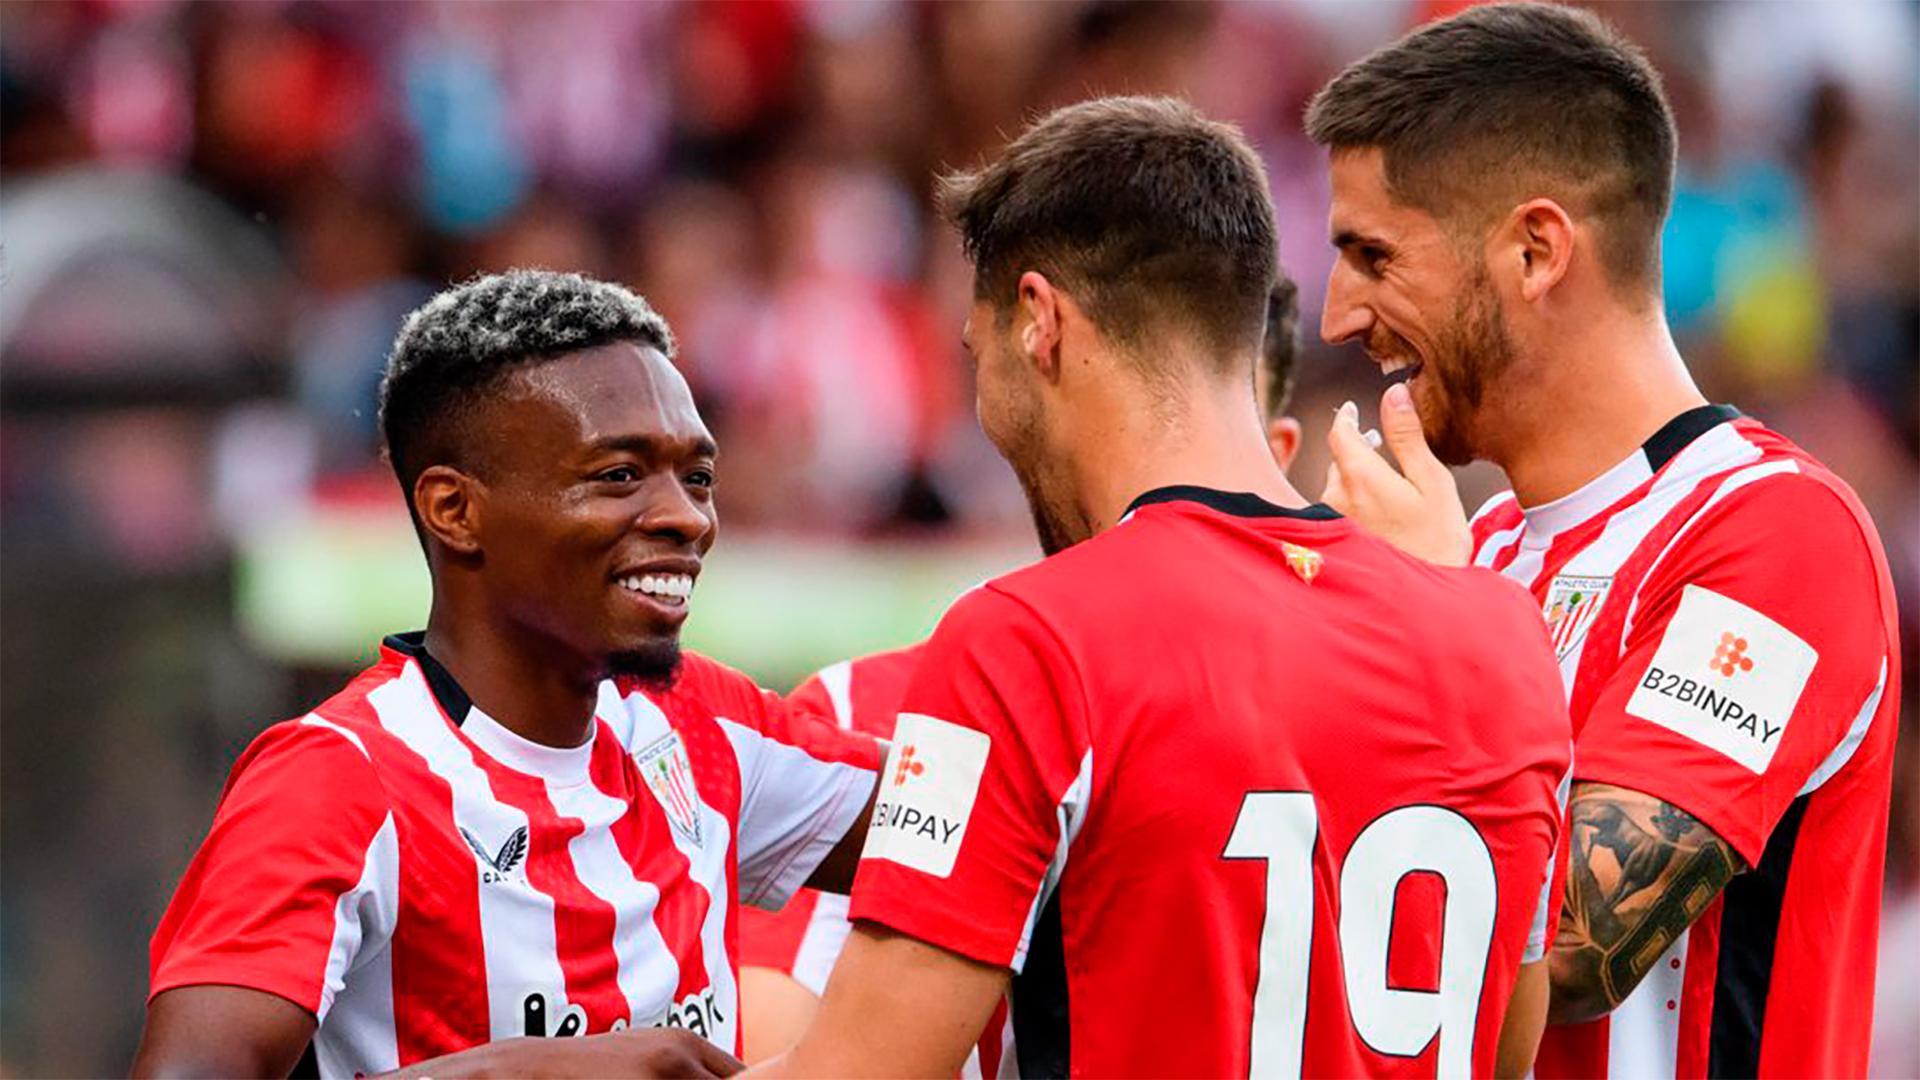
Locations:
column 1475, row 352
column 654, row 665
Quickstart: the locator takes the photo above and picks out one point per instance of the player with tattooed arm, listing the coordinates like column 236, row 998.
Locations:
column 1718, row 599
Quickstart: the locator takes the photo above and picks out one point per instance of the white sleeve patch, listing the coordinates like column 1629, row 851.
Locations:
column 1726, row 677
column 927, row 790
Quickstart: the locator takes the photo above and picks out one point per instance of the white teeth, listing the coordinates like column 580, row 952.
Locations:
column 673, row 587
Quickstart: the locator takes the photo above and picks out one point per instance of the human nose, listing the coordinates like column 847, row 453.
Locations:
column 1345, row 316
column 674, row 513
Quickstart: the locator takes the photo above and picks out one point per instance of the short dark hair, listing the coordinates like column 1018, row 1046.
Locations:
column 462, row 343
column 1282, row 343
column 1145, row 211
column 1468, row 109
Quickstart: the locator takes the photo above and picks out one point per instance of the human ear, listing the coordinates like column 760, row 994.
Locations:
column 1040, row 330
column 450, row 505
column 1540, row 238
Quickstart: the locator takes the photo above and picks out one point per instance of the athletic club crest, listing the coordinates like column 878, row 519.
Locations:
column 1572, row 602
column 663, row 763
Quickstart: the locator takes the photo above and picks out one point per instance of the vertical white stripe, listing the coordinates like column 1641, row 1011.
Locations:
column 1491, row 550
column 707, row 866
column 1071, row 814
column 1850, row 742
column 648, row 972
column 1643, row 1035
column 794, row 808
column 516, row 920
column 837, row 680
column 357, row 1033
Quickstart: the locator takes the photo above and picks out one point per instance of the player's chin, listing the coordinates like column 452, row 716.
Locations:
column 652, row 660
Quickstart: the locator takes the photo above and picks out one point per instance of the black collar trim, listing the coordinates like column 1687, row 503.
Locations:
column 1237, row 503
column 446, row 689
column 1682, row 430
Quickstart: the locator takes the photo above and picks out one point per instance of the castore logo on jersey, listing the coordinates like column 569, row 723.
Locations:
column 499, row 866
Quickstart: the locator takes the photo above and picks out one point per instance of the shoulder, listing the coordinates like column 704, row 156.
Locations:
column 307, row 766
column 1786, row 517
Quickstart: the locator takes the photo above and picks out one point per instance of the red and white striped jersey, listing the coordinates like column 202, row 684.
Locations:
column 424, row 880
column 804, row 938
column 1724, row 620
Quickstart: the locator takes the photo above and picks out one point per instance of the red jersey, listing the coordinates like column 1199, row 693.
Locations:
column 1234, row 765
column 804, row 939
column 424, row 880
column 1724, row 620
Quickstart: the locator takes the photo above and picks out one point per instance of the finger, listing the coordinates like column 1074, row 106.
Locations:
column 719, row 1061
column 1408, row 441
column 1365, row 475
column 1335, row 493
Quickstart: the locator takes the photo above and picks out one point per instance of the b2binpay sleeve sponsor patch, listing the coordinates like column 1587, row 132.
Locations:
column 1726, row 677
column 927, row 791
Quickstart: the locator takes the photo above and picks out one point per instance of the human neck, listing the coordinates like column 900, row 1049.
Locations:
column 1606, row 388
column 1210, row 438
column 527, row 689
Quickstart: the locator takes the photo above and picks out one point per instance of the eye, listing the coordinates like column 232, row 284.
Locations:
column 620, row 474
column 700, row 478
column 1374, row 259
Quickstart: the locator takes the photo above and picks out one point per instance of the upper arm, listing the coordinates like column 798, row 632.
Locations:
column 297, row 876
column 986, row 785
column 1751, row 649
column 896, row 1006
column 804, row 783
column 195, row 1031
column 1743, row 680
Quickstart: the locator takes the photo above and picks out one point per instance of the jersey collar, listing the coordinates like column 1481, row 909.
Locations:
column 1235, row 503
column 446, row 689
column 565, row 764
column 1550, row 519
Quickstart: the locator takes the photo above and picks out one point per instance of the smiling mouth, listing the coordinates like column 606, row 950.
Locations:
column 1397, row 370
column 672, row 590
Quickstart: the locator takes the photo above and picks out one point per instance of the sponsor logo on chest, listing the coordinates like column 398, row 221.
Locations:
column 1573, row 601
column 664, row 766
column 927, row 792
column 1726, row 677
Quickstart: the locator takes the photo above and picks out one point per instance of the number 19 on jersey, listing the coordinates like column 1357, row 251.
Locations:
column 1282, row 827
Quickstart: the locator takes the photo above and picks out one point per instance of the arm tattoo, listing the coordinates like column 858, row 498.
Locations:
column 1641, row 871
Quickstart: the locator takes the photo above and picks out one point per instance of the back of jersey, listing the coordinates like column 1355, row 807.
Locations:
column 1235, row 790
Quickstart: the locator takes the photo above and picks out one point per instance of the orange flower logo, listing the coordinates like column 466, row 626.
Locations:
column 907, row 767
column 1731, row 656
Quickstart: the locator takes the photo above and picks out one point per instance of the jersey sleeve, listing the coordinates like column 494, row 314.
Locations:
column 297, row 878
column 1754, row 648
column 803, row 783
column 984, row 788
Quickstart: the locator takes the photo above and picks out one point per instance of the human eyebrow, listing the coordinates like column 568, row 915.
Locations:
column 655, row 446
column 1348, row 238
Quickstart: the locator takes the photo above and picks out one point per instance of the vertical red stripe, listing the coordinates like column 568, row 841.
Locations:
column 439, row 961
column 583, row 922
column 645, row 840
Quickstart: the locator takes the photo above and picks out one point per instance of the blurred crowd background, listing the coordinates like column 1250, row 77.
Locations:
column 214, row 215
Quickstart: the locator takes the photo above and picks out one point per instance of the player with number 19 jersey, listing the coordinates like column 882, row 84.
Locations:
column 1232, row 788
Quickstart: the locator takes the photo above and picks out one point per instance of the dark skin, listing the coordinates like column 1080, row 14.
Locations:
column 596, row 466
column 1640, row 872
